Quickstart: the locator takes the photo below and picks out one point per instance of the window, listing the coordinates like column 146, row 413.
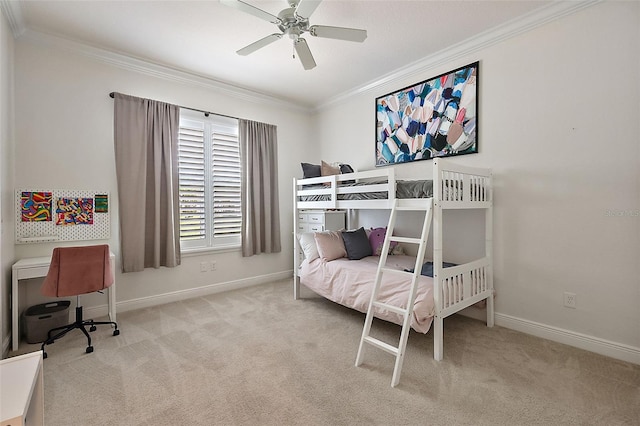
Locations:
column 210, row 174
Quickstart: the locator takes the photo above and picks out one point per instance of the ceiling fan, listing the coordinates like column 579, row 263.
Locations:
column 294, row 21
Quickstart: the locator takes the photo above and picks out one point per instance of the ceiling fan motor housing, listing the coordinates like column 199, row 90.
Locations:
column 291, row 24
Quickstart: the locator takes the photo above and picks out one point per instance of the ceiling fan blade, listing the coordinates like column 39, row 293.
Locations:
column 252, row 10
column 259, row 44
column 304, row 53
column 307, row 7
column 339, row 33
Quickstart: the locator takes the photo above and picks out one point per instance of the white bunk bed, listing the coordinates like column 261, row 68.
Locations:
column 454, row 187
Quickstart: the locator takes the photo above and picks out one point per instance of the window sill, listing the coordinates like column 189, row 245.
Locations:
column 207, row 250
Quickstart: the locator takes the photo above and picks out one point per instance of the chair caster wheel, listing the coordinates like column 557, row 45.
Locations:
column 116, row 332
column 44, row 355
column 93, row 328
column 89, row 349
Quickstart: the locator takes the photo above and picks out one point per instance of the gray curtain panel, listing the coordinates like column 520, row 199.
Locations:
column 260, row 207
column 146, row 147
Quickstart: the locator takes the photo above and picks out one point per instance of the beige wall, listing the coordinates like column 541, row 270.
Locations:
column 559, row 126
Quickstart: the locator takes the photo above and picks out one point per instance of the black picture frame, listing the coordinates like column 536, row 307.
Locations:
column 437, row 117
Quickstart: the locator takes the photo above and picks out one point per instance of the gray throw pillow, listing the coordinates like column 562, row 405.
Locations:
column 356, row 243
column 310, row 170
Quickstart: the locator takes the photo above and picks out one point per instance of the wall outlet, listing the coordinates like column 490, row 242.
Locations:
column 213, row 265
column 204, row 266
column 569, row 300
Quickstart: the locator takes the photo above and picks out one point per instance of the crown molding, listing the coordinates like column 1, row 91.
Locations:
column 144, row 66
column 523, row 24
column 12, row 10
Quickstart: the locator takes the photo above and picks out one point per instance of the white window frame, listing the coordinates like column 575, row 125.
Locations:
column 209, row 124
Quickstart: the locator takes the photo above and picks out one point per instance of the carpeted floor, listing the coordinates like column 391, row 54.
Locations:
column 255, row 356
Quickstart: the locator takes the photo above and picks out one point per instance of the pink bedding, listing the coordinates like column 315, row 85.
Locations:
column 349, row 282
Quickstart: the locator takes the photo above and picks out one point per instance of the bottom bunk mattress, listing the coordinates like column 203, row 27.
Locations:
column 350, row 282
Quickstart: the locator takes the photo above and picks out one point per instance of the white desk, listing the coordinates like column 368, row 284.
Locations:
column 22, row 390
column 37, row 267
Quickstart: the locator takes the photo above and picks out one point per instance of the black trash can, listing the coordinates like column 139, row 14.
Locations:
column 39, row 319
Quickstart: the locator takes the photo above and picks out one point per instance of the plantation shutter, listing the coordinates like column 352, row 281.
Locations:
column 191, row 159
column 226, row 175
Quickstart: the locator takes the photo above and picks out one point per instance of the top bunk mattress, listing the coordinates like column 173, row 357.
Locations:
column 404, row 189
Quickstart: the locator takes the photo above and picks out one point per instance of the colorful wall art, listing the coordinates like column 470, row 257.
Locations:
column 51, row 215
column 35, row 206
column 434, row 118
column 101, row 203
column 74, row 211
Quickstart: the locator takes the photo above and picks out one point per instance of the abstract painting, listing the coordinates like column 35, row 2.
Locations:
column 35, row 206
column 435, row 118
column 102, row 203
column 74, row 211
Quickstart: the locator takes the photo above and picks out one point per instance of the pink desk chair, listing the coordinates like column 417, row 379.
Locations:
column 75, row 271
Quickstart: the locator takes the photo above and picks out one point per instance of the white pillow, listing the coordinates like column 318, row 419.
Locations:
column 309, row 247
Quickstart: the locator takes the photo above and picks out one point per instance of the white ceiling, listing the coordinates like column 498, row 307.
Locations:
column 201, row 37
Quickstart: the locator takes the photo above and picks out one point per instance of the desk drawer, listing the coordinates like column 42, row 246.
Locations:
column 36, row 272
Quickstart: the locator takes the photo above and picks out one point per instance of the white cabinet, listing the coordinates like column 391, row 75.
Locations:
column 22, row 390
column 320, row 220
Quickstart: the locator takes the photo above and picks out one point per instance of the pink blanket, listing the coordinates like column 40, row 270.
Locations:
column 350, row 282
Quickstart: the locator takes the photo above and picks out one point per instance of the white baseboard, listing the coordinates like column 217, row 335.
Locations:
column 571, row 338
column 175, row 296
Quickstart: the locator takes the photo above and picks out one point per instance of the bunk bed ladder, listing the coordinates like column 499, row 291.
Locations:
column 406, row 313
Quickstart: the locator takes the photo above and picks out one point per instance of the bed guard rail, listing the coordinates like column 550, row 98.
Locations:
column 324, row 192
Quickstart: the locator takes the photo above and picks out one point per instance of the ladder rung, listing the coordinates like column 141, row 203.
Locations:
column 405, row 240
column 411, row 208
column 381, row 345
column 392, row 308
column 396, row 271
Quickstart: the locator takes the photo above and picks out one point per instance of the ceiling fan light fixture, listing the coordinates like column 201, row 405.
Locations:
column 293, row 32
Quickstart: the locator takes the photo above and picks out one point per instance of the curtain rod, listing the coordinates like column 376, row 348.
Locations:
column 206, row 113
